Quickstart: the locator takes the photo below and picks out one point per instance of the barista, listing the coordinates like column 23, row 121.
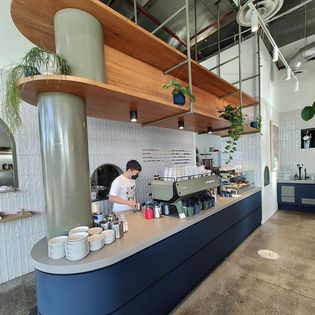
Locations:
column 122, row 191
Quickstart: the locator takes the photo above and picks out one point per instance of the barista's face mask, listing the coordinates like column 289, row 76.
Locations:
column 135, row 176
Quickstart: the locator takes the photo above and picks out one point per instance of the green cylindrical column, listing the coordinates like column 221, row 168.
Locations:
column 79, row 37
column 63, row 137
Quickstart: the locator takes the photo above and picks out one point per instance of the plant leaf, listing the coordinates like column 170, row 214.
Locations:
column 308, row 113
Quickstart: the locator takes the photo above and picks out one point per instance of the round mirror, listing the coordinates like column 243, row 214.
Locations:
column 102, row 179
column 8, row 165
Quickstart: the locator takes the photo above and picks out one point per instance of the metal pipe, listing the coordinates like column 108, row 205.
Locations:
column 246, row 79
column 189, row 74
column 175, row 67
column 218, row 36
column 195, row 35
column 259, row 73
column 188, row 50
column 135, row 11
column 240, row 59
column 169, row 19
column 223, row 63
column 156, row 21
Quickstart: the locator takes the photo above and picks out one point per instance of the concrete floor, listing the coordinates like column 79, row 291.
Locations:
column 17, row 297
column 244, row 283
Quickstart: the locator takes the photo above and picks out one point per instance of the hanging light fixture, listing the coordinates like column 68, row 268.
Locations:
column 181, row 124
column 210, row 130
column 254, row 22
column 275, row 57
column 288, row 76
column 133, row 116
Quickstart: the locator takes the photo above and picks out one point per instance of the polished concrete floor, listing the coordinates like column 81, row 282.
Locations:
column 244, row 283
column 17, row 297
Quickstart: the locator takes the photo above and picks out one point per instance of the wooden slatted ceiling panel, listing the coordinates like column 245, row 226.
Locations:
column 36, row 23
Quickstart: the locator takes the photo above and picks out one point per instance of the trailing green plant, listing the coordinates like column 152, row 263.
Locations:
column 237, row 119
column 36, row 59
column 308, row 112
column 43, row 60
column 259, row 123
column 178, row 88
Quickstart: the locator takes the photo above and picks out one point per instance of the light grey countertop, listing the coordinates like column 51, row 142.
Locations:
column 142, row 234
column 292, row 181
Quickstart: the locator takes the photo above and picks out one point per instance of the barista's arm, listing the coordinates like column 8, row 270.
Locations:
column 116, row 199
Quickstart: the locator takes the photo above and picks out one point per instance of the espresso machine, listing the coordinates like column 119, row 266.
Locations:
column 174, row 190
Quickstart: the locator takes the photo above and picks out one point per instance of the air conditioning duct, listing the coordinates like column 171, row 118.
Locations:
column 304, row 54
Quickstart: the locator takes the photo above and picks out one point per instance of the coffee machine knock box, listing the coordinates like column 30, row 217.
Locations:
column 173, row 191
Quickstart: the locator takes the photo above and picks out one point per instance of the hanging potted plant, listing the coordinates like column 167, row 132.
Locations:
column 237, row 119
column 36, row 61
column 308, row 112
column 179, row 92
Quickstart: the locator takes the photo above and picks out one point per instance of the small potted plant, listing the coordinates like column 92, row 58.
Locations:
column 237, row 119
column 257, row 123
column 308, row 112
column 36, row 61
column 179, row 92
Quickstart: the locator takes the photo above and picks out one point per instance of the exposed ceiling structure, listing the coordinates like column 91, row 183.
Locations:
column 291, row 21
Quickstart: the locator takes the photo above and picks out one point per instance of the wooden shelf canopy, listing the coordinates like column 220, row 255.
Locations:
column 102, row 100
column 225, row 132
column 123, row 35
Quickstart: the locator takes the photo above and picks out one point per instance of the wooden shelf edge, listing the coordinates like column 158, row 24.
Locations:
column 84, row 82
column 15, row 216
column 224, row 132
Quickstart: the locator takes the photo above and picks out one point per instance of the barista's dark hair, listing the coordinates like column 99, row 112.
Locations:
column 133, row 165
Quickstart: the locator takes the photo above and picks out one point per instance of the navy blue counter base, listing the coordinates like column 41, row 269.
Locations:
column 301, row 191
column 156, row 279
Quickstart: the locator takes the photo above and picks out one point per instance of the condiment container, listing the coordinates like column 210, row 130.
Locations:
column 157, row 212
column 148, row 213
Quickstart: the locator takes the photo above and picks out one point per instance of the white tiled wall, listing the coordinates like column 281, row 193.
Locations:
column 109, row 142
column 291, row 153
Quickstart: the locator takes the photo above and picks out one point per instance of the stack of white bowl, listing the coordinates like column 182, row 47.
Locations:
column 95, row 230
column 109, row 236
column 79, row 229
column 56, row 247
column 96, row 242
column 77, row 246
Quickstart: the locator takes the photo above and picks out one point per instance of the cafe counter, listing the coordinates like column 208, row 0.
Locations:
column 150, row 269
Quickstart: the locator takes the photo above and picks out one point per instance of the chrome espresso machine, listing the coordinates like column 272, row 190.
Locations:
column 174, row 190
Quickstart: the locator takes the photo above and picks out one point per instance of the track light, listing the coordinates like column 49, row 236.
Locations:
column 210, row 130
column 133, row 116
column 288, row 76
column 297, row 86
column 275, row 54
column 254, row 22
column 181, row 124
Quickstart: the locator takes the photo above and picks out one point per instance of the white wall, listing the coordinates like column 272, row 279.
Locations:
column 291, row 153
column 253, row 151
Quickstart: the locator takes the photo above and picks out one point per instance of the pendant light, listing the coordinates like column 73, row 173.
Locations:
column 254, row 22
column 275, row 54
column 133, row 116
column 181, row 124
column 210, row 130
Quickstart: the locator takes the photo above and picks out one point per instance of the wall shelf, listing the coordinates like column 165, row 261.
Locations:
column 16, row 216
column 122, row 35
column 102, row 100
column 224, row 133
